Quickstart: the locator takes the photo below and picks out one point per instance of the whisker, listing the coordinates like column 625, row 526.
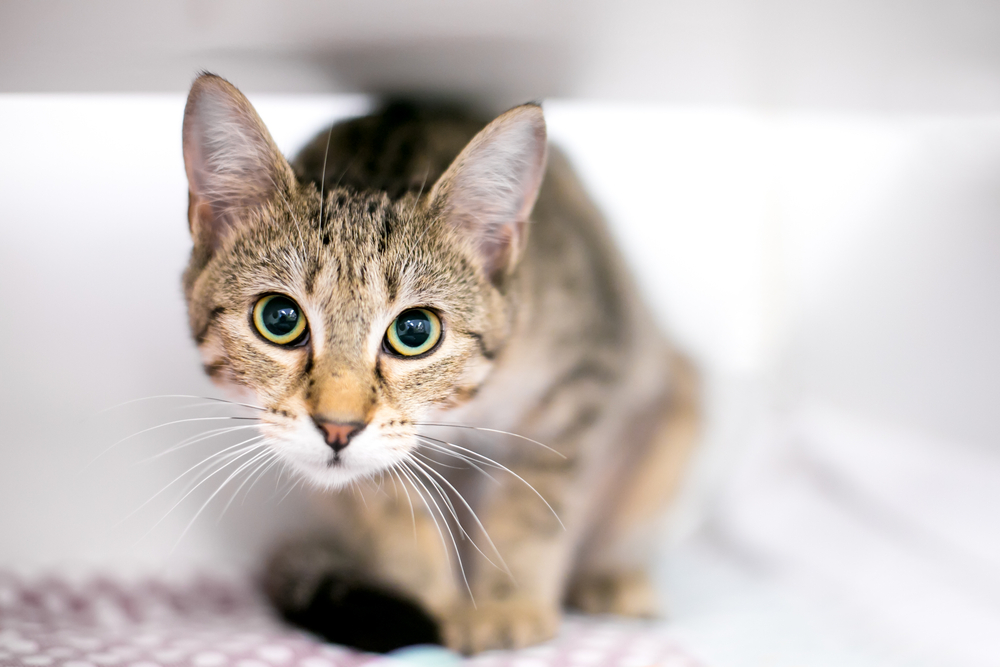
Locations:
column 243, row 466
column 195, row 439
column 447, row 501
column 182, row 475
column 253, row 475
column 416, row 202
column 236, row 457
column 413, row 210
column 291, row 488
column 275, row 461
column 204, row 398
column 358, row 491
column 381, row 478
column 436, row 462
column 458, row 554
column 192, row 406
column 158, row 426
column 221, row 459
column 262, row 458
column 429, row 442
column 322, row 178
column 298, row 223
column 216, row 462
column 395, row 489
column 411, row 475
column 491, row 430
column 277, row 481
column 344, row 173
column 479, row 523
column 488, row 461
column 413, row 516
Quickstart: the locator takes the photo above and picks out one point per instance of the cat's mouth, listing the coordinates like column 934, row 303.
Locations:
column 368, row 454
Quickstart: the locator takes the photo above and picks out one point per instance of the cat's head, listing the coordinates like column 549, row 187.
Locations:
column 351, row 318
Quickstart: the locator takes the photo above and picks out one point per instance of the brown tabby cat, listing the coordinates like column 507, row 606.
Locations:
column 413, row 289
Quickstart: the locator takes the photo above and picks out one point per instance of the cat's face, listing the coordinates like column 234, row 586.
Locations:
column 346, row 282
column 351, row 319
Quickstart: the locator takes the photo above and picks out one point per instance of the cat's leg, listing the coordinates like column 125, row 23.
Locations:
column 611, row 574
column 520, row 605
column 375, row 577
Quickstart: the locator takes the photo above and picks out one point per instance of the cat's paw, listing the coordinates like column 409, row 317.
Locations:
column 499, row 624
column 629, row 593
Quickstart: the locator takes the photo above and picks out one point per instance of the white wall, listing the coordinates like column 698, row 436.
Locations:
column 893, row 270
column 94, row 239
column 847, row 259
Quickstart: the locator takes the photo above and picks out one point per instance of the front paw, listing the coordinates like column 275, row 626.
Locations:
column 629, row 593
column 499, row 624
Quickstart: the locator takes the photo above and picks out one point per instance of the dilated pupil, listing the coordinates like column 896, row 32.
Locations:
column 280, row 316
column 413, row 328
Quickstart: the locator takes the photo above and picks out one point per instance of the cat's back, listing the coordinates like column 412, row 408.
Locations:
column 401, row 148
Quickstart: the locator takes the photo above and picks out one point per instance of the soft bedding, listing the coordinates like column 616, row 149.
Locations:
column 212, row 623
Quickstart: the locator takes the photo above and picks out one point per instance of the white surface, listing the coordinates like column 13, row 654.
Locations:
column 861, row 539
column 920, row 55
column 849, row 262
column 94, row 239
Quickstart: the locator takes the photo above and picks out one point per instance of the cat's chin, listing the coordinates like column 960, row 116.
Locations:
column 332, row 475
column 329, row 479
column 329, row 472
column 370, row 455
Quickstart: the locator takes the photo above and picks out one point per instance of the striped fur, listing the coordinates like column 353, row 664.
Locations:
column 545, row 337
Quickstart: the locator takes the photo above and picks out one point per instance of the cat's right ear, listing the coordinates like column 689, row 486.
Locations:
column 231, row 160
column 489, row 190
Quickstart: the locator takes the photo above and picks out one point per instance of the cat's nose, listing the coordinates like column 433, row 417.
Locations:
column 338, row 434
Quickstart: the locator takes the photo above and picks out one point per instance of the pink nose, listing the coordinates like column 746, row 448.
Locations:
column 338, row 434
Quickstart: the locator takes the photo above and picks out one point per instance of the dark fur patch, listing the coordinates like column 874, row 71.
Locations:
column 212, row 317
column 395, row 151
column 307, row 371
column 314, row 268
column 489, row 354
column 379, row 375
column 216, row 368
column 351, row 612
column 383, row 239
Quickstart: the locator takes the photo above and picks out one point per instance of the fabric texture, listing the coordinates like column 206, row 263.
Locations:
column 211, row 623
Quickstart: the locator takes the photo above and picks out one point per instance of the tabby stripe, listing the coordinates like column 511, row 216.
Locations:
column 478, row 337
column 314, row 268
column 588, row 370
column 379, row 376
column 212, row 317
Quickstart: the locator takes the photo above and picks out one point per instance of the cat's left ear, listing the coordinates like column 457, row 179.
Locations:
column 232, row 163
column 489, row 190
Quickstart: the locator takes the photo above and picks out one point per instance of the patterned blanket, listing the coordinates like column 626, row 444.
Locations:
column 209, row 623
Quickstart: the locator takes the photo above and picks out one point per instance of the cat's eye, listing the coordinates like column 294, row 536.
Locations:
column 279, row 320
column 414, row 332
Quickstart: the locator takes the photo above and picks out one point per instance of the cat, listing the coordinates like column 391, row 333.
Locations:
column 429, row 300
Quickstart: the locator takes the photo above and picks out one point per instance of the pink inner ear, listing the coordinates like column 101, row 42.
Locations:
column 231, row 161
column 491, row 187
column 202, row 223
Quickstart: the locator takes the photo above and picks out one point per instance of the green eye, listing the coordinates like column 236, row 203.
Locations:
column 414, row 332
column 279, row 319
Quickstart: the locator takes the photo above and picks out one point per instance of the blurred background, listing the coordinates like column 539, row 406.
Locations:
column 809, row 193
